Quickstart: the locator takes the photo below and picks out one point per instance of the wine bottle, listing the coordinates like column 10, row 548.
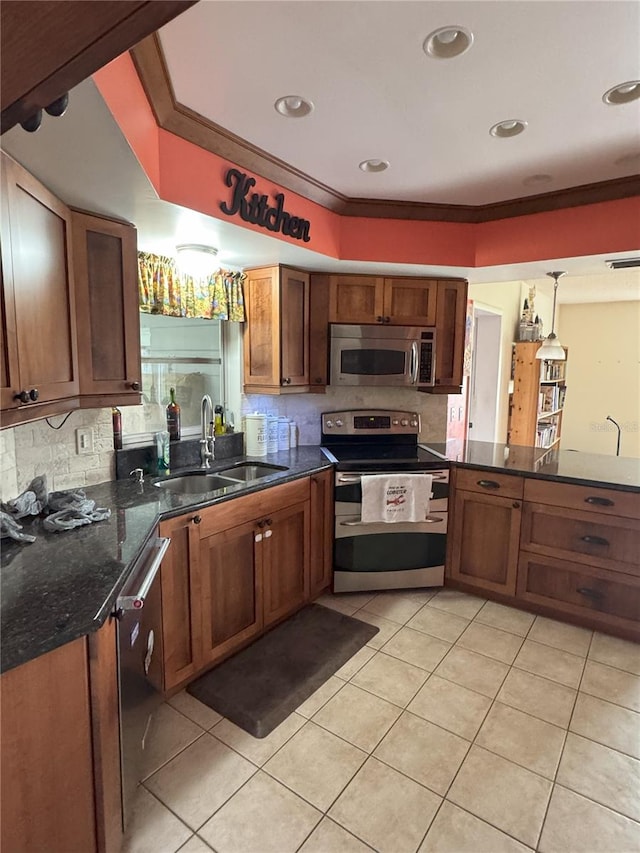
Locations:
column 116, row 419
column 173, row 416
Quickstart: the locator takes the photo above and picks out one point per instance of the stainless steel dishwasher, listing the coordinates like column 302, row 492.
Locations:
column 139, row 614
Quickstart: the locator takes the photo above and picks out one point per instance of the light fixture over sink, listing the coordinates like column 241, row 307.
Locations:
column 551, row 348
column 196, row 259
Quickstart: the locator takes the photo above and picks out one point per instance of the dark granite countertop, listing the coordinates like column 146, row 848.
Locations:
column 567, row 466
column 64, row 585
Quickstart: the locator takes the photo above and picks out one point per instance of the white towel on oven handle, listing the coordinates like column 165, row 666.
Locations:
column 395, row 497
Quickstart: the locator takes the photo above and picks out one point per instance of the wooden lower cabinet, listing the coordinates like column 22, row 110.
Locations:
column 606, row 599
column 485, row 539
column 60, row 760
column 234, row 569
column 321, row 535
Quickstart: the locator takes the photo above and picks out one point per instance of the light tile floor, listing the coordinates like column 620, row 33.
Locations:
column 463, row 726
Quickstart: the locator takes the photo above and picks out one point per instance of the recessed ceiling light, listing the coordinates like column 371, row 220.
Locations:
column 373, row 165
column 447, row 42
column 536, row 180
column 293, row 106
column 628, row 159
column 506, row 129
column 623, row 93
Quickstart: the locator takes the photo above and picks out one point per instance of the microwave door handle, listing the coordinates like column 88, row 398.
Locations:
column 414, row 363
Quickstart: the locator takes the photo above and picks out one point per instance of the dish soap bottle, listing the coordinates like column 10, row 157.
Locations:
column 173, row 416
column 219, row 420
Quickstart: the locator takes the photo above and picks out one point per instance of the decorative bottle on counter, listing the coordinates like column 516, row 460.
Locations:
column 219, row 421
column 173, row 416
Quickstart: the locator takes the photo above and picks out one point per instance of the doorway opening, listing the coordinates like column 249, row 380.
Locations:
column 485, row 374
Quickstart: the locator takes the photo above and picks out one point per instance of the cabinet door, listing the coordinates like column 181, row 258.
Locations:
column 410, row 302
column 321, row 534
column 43, row 290
column 294, row 327
column 105, row 265
column 356, row 299
column 485, row 540
column 451, row 314
column 9, row 373
column 47, row 775
column 231, row 603
column 262, row 332
column 286, row 561
column 318, row 332
column 181, row 625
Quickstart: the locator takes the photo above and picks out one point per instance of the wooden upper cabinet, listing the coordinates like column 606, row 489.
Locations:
column 410, row 302
column 276, row 338
column 106, row 276
column 451, row 315
column 39, row 351
column 356, row 299
column 395, row 301
column 318, row 331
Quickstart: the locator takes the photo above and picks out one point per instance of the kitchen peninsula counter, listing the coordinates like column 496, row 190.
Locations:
column 563, row 466
column 64, row 585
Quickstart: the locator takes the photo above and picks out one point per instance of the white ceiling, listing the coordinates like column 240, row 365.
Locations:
column 377, row 94
column 84, row 158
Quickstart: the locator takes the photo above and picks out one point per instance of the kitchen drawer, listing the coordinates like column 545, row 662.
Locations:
column 489, row 482
column 251, row 507
column 604, row 599
column 592, row 538
column 588, row 498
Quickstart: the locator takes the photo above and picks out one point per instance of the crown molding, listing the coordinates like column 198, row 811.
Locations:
column 176, row 118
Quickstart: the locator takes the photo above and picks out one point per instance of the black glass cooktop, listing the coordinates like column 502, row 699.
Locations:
column 382, row 457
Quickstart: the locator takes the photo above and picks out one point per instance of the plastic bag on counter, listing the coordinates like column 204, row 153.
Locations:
column 10, row 529
column 30, row 502
column 67, row 519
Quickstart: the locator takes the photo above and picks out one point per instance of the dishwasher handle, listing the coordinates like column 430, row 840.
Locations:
column 135, row 601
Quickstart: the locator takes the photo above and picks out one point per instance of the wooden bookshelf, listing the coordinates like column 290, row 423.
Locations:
column 536, row 403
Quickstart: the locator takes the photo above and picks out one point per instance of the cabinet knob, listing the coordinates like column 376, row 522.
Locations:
column 261, row 524
column 135, row 386
column 379, row 319
column 516, row 504
column 488, row 484
column 318, row 380
column 268, row 533
column 196, row 519
column 268, row 522
column 286, row 381
column 23, row 396
column 257, row 537
column 34, row 394
column 386, row 319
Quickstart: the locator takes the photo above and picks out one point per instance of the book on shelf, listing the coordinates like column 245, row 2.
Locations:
column 550, row 398
column 546, row 433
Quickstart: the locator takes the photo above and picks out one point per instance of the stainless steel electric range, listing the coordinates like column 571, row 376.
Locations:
column 379, row 555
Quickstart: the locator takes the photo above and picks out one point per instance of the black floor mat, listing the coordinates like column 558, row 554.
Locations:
column 261, row 685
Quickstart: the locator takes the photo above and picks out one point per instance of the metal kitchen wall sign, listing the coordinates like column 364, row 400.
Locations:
column 255, row 208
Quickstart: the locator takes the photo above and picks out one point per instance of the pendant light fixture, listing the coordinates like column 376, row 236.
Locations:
column 551, row 348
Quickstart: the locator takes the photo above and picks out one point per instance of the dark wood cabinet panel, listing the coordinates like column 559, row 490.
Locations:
column 39, row 292
column 490, row 482
column 451, row 314
column 484, row 541
column 262, row 334
column 47, row 773
column 606, row 599
column 321, row 535
column 181, row 611
column 105, row 264
column 230, row 568
column 410, row 302
column 294, row 327
column 286, row 561
column 318, row 332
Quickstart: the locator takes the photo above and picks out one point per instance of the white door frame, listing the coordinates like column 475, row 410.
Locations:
column 482, row 309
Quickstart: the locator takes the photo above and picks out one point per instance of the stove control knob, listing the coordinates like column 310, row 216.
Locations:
column 328, row 424
column 404, row 422
column 414, row 422
column 395, row 422
column 339, row 423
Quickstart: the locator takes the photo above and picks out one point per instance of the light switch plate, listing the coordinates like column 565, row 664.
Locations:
column 84, row 440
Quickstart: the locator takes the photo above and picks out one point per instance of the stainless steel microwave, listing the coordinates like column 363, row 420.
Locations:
column 383, row 355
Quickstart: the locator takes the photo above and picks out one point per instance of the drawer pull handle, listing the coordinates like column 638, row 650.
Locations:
column 595, row 540
column 488, row 484
column 590, row 593
column 599, row 501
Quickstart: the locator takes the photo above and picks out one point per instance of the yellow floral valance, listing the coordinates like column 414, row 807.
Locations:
column 164, row 290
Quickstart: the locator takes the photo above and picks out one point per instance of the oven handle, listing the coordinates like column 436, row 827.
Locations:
column 430, row 519
column 355, row 478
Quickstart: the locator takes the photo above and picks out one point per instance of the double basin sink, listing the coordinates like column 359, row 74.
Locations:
column 202, row 481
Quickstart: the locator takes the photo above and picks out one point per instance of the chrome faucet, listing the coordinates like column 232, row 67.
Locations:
column 207, row 437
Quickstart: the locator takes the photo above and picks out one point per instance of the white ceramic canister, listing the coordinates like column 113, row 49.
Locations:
column 272, row 433
column 283, row 433
column 256, row 432
column 293, row 434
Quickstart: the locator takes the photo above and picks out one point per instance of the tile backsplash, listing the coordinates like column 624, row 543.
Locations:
column 36, row 448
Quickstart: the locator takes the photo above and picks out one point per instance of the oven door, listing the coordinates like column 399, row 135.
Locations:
column 388, row 556
column 374, row 361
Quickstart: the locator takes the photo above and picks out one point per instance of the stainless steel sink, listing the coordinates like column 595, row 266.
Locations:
column 196, row 483
column 246, row 471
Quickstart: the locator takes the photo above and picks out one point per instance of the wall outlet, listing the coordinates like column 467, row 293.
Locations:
column 84, row 440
